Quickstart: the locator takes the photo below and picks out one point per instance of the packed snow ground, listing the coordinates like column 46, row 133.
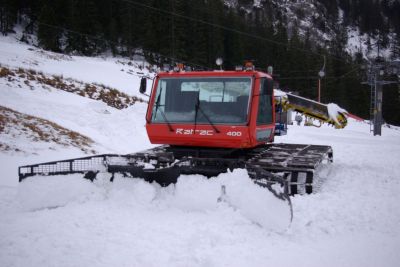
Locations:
column 354, row 220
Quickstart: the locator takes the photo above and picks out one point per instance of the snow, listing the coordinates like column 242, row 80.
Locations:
column 279, row 93
column 94, row 118
column 66, row 221
column 358, row 42
column 53, row 191
column 334, row 111
column 115, row 72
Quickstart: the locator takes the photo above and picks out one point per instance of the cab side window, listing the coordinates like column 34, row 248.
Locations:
column 265, row 102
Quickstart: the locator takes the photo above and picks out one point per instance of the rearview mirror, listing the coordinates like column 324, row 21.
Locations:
column 143, row 84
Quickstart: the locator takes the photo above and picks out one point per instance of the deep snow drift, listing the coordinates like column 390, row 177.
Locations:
column 352, row 221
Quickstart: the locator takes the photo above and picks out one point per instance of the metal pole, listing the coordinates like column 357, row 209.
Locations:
column 321, row 74
column 375, row 71
column 378, row 119
column 319, row 90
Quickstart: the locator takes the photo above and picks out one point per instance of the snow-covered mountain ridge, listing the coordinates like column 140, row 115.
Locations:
column 327, row 24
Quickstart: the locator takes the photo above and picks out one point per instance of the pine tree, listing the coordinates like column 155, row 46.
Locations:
column 86, row 37
column 126, row 27
column 133, row 26
column 279, row 49
column 107, row 18
column 233, row 42
column 198, row 34
column 395, row 47
column 179, row 29
column 8, row 16
column 158, row 33
column 48, row 33
column 215, row 42
column 391, row 104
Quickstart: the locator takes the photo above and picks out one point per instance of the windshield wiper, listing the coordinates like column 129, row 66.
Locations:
column 196, row 111
column 162, row 113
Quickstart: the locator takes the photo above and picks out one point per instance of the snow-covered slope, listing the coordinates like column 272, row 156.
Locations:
column 112, row 130
column 353, row 221
column 119, row 73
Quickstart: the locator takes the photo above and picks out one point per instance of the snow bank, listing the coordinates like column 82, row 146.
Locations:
column 47, row 192
column 257, row 204
column 192, row 193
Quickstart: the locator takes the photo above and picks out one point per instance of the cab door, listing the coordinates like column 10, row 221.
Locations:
column 265, row 124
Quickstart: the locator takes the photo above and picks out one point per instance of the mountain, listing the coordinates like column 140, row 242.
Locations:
column 360, row 26
column 297, row 38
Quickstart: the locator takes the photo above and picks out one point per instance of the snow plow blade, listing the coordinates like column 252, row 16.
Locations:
column 270, row 164
column 164, row 164
column 283, row 164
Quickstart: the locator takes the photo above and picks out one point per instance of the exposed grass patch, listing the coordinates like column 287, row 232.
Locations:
column 110, row 96
column 4, row 72
column 15, row 124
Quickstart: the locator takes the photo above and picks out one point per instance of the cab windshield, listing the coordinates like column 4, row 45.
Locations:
column 202, row 100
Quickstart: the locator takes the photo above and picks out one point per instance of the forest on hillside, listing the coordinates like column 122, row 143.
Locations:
column 196, row 32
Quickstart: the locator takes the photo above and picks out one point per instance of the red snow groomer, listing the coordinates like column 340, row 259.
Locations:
column 209, row 122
